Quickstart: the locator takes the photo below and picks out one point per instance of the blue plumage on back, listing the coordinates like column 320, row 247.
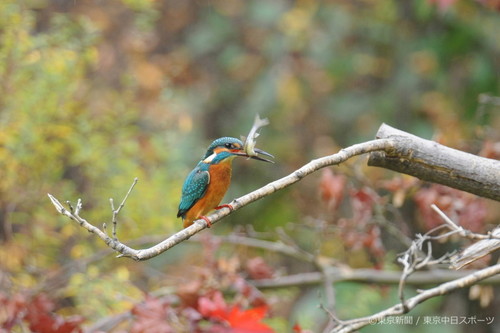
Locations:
column 194, row 187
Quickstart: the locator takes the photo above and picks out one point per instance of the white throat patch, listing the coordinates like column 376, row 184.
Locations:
column 210, row 158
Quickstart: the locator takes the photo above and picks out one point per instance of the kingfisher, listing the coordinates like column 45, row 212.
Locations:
column 207, row 183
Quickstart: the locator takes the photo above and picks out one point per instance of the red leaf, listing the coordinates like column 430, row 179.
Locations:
column 42, row 303
column 190, row 292
column 332, row 188
column 248, row 321
column 443, row 4
column 258, row 269
column 362, row 202
column 240, row 321
column 12, row 310
column 297, row 329
column 462, row 208
column 399, row 186
column 70, row 324
column 49, row 323
column 41, row 319
column 151, row 316
column 213, row 307
column 252, row 295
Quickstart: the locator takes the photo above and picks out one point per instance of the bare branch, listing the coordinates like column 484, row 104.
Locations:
column 460, row 230
column 477, row 250
column 430, row 161
column 277, row 247
column 309, row 168
column 367, row 275
column 115, row 245
column 330, row 293
column 117, row 211
column 488, row 243
column 488, row 99
column 415, row 259
column 398, row 309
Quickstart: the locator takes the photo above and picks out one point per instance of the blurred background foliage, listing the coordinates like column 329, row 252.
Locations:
column 95, row 93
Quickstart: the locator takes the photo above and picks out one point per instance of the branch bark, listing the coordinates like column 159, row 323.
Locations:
column 399, row 309
column 477, row 250
column 430, row 161
column 366, row 275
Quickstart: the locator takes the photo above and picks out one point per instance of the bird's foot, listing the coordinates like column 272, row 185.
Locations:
column 226, row 206
column 209, row 224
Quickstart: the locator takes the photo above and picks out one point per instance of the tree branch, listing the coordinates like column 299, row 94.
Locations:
column 367, row 275
column 277, row 247
column 477, row 250
column 399, row 309
column 198, row 225
column 430, row 161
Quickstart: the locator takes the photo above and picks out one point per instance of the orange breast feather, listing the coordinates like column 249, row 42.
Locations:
column 220, row 178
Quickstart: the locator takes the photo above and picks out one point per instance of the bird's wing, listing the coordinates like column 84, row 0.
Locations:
column 193, row 189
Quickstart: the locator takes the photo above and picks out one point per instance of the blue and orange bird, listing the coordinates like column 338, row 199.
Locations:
column 207, row 184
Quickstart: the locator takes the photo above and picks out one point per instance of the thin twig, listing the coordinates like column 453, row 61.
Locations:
column 415, row 259
column 70, row 206
column 333, row 319
column 329, row 287
column 289, row 241
column 460, row 230
column 117, row 211
column 445, row 218
column 277, row 247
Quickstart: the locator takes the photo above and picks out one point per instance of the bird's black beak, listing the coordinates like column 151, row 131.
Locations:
column 260, row 151
column 255, row 157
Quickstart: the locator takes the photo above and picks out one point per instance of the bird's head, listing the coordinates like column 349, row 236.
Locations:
column 228, row 148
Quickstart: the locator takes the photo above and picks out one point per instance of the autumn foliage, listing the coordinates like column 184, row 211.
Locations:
column 96, row 93
column 35, row 313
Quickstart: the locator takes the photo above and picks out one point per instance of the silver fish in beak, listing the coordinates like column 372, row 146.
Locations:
column 250, row 141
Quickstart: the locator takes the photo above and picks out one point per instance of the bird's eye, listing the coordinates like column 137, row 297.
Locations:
column 228, row 145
